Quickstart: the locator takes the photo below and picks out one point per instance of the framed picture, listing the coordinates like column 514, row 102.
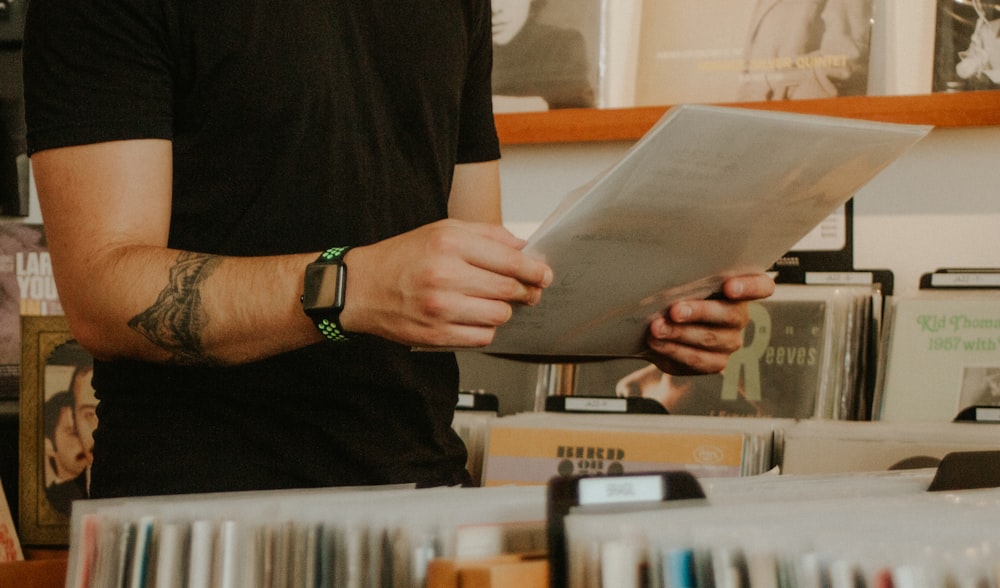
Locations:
column 57, row 422
column 546, row 54
column 967, row 46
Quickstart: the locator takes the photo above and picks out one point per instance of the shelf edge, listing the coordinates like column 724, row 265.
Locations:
column 962, row 109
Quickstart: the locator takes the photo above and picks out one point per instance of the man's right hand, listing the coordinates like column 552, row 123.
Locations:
column 447, row 284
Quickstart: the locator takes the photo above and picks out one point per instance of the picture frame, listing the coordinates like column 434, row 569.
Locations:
column 51, row 360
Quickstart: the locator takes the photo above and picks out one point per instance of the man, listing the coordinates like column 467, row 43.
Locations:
column 192, row 159
column 64, row 455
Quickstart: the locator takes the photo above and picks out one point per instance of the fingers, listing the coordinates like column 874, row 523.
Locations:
column 750, row 287
column 499, row 252
column 687, row 361
column 494, row 286
column 698, row 336
column 701, row 316
column 667, row 337
column 484, row 261
column 697, row 347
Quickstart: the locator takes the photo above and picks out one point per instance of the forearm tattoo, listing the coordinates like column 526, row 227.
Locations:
column 177, row 319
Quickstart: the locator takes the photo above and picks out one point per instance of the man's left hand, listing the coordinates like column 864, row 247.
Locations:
column 698, row 336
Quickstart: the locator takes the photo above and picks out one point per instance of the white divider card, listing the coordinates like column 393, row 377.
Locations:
column 604, row 405
column 477, row 400
column 620, row 489
column 965, row 280
column 603, row 493
column 961, row 278
column 594, row 404
column 987, row 414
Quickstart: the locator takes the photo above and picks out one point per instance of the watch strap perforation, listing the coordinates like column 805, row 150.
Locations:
column 329, row 326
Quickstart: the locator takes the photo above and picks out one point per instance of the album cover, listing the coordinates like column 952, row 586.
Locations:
column 532, row 448
column 535, row 455
column 26, row 288
column 805, row 354
column 941, row 355
column 967, row 46
column 740, row 51
column 778, row 372
column 551, row 54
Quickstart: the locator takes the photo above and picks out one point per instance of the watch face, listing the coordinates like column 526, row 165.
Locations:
column 324, row 287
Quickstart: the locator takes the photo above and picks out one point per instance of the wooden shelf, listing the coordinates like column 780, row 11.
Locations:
column 962, row 109
column 42, row 573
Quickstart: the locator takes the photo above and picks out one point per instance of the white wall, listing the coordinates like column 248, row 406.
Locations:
column 939, row 205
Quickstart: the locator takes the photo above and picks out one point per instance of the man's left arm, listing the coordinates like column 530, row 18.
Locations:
column 475, row 193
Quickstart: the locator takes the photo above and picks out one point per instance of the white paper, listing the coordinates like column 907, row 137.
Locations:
column 709, row 192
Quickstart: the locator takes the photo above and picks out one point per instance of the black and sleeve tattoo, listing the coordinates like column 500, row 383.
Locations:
column 177, row 319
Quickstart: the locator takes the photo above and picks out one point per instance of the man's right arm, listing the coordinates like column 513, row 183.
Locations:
column 106, row 209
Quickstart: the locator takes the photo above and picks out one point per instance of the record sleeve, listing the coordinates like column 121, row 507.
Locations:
column 941, row 354
column 707, row 193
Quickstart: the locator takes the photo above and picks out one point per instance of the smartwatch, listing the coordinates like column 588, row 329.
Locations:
column 324, row 290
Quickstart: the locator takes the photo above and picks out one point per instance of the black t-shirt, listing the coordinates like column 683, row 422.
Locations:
column 296, row 126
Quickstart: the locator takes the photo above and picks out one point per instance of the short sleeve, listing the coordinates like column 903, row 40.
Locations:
column 96, row 70
column 477, row 131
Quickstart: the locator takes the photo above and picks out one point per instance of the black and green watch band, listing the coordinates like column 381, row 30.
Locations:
column 323, row 293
